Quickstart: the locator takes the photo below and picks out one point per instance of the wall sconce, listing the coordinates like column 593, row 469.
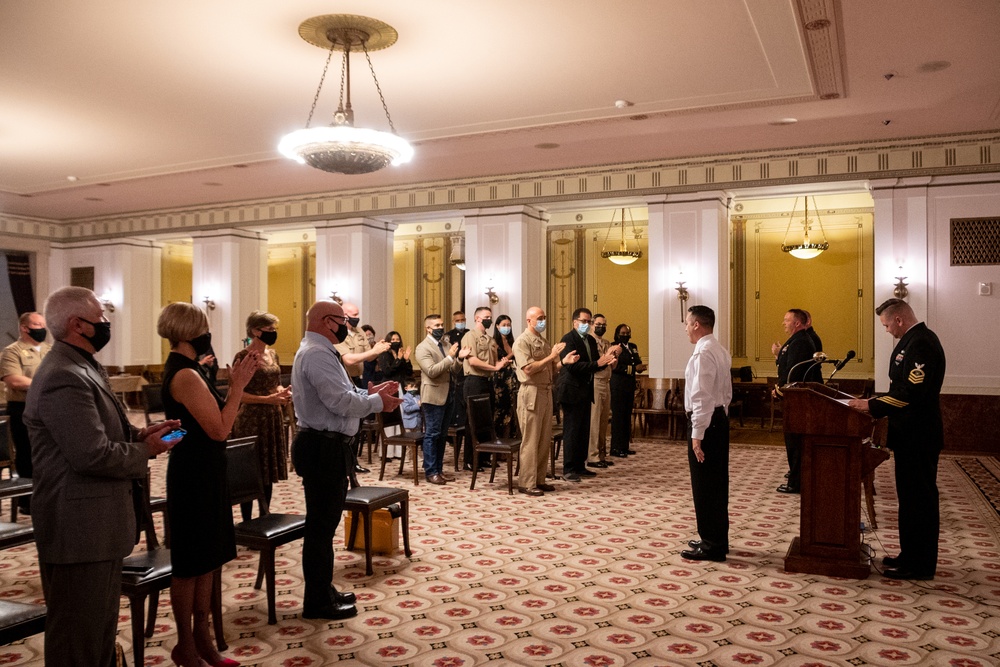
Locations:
column 682, row 296
column 492, row 296
column 336, row 297
column 209, row 304
column 106, row 302
column 900, row 291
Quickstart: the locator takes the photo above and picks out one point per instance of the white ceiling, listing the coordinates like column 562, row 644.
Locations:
column 149, row 105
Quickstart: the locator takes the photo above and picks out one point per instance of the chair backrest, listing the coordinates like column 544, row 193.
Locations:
column 480, row 424
column 243, row 476
column 152, row 399
column 5, row 459
column 152, row 542
column 390, row 419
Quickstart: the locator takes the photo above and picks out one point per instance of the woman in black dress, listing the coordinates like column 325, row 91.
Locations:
column 623, row 391
column 505, row 384
column 201, row 518
column 394, row 363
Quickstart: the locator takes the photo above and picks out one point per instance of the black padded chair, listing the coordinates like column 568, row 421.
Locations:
column 14, row 488
column 363, row 501
column 479, row 430
column 152, row 401
column 20, row 620
column 268, row 531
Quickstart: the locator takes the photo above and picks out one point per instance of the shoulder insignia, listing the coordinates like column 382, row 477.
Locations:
column 917, row 374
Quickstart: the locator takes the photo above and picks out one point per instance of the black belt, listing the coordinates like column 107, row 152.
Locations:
column 329, row 435
column 718, row 409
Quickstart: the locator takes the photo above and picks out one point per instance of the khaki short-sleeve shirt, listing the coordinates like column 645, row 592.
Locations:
column 20, row 358
column 485, row 349
column 355, row 343
column 529, row 348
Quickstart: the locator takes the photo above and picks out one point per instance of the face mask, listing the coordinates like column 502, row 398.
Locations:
column 505, row 331
column 600, row 329
column 268, row 337
column 341, row 333
column 460, row 326
column 202, row 344
column 102, row 334
column 38, row 335
column 353, row 321
column 437, row 333
column 396, row 345
column 583, row 328
column 371, row 341
column 540, row 326
column 413, row 392
column 487, row 323
column 624, row 339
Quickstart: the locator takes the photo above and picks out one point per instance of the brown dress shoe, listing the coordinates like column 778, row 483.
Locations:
column 447, row 477
column 436, row 479
column 530, row 492
column 546, row 487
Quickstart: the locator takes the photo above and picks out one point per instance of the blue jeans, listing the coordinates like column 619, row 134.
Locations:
column 436, row 421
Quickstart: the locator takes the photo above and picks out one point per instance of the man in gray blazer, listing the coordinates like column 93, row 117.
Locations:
column 85, row 456
column 436, row 394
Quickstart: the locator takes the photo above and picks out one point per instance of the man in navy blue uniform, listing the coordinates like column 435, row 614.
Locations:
column 916, row 436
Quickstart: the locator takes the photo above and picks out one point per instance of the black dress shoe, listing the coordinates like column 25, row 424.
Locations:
column 905, row 572
column 358, row 468
column 696, row 544
column 586, row 473
column 468, row 467
column 608, row 464
column 619, row 455
column 571, row 477
column 701, row 554
column 546, row 487
column 784, row 488
column 597, row 464
column 332, row 612
column 632, row 452
column 530, row 492
column 342, row 598
column 891, row 561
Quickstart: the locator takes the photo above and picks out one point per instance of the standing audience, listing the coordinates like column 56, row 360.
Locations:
column 597, row 452
column 479, row 367
column 505, row 384
column 328, row 409
column 202, row 538
column 708, row 390
column 18, row 363
column 263, row 408
column 88, row 460
column 623, row 391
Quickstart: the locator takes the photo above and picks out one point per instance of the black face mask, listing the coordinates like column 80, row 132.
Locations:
column 341, row 333
column 202, row 344
column 487, row 323
column 268, row 337
column 396, row 345
column 38, row 335
column 353, row 321
column 624, row 339
column 600, row 329
column 102, row 334
column 437, row 333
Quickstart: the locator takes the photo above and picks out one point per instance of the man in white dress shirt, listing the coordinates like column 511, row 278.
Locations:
column 708, row 390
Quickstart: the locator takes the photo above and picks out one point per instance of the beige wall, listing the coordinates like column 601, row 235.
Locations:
column 175, row 278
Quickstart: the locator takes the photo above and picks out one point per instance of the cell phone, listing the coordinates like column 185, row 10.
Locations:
column 176, row 434
column 137, row 569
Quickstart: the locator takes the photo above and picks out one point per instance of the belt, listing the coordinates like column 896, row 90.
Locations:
column 717, row 408
column 329, row 435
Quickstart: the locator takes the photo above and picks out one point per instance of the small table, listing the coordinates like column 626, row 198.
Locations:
column 126, row 384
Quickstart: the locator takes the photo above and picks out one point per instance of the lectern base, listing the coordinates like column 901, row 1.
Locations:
column 846, row 569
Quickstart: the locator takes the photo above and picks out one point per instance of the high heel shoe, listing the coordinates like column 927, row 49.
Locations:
column 225, row 662
column 177, row 660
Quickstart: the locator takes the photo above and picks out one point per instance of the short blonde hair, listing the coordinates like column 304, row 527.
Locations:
column 258, row 319
column 181, row 321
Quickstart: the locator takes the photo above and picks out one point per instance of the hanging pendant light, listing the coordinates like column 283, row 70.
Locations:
column 341, row 147
column 623, row 255
column 807, row 249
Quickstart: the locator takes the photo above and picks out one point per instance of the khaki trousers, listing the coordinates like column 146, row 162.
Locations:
column 599, row 414
column 534, row 413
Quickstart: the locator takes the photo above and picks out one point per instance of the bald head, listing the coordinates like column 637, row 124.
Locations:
column 318, row 312
column 533, row 316
column 351, row 310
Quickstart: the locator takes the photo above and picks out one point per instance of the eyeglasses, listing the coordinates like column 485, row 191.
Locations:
column 584, row 321
column 339, row 319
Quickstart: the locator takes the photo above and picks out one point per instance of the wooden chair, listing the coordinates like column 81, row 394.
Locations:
column 776, row 408
column 144, row 575
column 370, row 433
column 657, row 391
column 480, row 431
column 407, row 438
column 268, row 531
column 363, row 501
column 152, row 401
column 455, row 437
column 676, row 415
column 14, row 488
column 20, row 620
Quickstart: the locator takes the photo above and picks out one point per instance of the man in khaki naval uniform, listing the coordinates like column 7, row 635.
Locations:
column 600, row 412
column 480, row 365
column 536, row 362
column 18, row 364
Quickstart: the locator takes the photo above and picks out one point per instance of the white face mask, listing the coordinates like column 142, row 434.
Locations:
column 540, row 326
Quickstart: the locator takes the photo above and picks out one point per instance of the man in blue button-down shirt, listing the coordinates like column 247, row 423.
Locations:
column 328, row 408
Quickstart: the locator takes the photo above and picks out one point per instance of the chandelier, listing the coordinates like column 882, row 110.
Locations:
column 341, row 147
column 807, row 249
column 623, row 255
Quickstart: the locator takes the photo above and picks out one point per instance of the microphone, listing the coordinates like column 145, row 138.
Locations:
column 816, row 358
column 843, row 362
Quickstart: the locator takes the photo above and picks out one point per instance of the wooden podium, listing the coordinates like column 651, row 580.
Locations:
column 838, row 451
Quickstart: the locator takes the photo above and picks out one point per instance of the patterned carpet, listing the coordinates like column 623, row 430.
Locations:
column 591, row 575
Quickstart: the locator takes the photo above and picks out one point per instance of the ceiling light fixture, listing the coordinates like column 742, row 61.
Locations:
column 807, row 249
column 341, row 147
column 623, row 255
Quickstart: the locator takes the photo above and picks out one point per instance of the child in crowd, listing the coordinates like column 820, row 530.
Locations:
column 411, row 405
